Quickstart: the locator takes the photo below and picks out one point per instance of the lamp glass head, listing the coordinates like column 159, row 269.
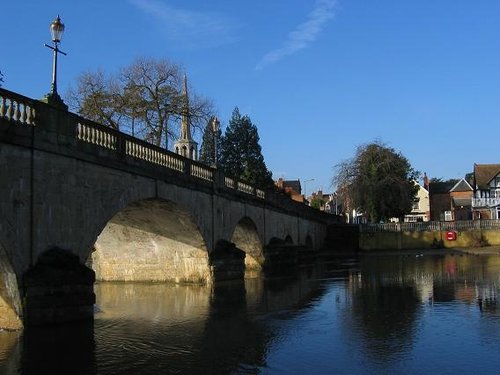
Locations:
column 56, row 30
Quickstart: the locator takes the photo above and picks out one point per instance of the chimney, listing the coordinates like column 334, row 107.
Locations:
column 426, row 182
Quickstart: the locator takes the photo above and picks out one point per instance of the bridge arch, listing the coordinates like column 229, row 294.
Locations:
column 10, row 301
column 246, row 237
column 151, row 240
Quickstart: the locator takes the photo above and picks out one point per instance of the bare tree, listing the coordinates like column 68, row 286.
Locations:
column 145, row 99
column 98, row 98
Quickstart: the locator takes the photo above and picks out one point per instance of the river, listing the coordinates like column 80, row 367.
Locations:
column 383, row 314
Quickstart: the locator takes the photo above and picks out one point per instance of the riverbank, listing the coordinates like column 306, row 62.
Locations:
column 485, row 250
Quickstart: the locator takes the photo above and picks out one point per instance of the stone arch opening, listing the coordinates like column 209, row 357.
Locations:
column 246, row 238
column 151, row 240
column 10, row 301
column 288, row 240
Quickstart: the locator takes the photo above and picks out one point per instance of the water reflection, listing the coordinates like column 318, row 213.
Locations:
column 378, row 314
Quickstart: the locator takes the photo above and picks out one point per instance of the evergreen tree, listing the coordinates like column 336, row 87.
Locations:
column 241, row 155
column 211, row 143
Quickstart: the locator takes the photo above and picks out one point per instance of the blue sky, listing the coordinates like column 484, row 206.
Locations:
column 318, row 78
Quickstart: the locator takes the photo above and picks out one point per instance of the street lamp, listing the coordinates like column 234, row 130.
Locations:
column 305, row 187
column 56, row 31
column 215, row 133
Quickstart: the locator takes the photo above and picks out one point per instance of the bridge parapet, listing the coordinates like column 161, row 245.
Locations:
column 16, row 108
column 68, row 133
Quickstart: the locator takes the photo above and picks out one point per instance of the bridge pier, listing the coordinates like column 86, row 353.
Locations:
column 58, row 289
column 227, row 262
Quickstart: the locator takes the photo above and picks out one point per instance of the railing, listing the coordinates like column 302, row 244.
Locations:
column 432, row 226
column 485, row 202
column 260, row 194
column 16, row 108
column 245, row 188
column 88, row 132
column 141, row 150
column 20, row 110
column 228, row 182
column 202, row 172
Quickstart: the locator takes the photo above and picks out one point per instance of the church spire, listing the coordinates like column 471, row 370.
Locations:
column 185, row 123
column 185, row 145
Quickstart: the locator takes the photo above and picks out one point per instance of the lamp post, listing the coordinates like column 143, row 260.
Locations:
column 215, row 131
column 305, row 187
column 56, row 31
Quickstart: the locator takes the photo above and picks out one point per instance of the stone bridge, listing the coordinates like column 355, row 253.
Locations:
column 80, row 201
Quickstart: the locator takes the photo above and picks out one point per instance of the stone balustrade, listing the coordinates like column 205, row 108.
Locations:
column 21, row 110
column 16, row 108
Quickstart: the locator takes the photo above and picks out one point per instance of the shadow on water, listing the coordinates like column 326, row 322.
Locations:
column 65, row 349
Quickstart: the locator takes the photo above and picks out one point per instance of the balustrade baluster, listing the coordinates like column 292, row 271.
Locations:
column 10, row 110
column 17, row 113
column 23, row 115
column 30, row 119
column 3, row 107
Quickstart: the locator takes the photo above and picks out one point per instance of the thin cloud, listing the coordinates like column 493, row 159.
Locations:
column 191, row 28
column 303, row 35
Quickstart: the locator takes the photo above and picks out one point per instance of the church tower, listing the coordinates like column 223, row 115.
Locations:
column 185, row 145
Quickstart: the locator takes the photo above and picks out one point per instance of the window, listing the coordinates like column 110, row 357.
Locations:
column 416, row 204
column 448, row 216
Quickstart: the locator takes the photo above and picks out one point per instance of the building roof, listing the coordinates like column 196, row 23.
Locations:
column 442, row 187
column 461, row 185
column 484, row 173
